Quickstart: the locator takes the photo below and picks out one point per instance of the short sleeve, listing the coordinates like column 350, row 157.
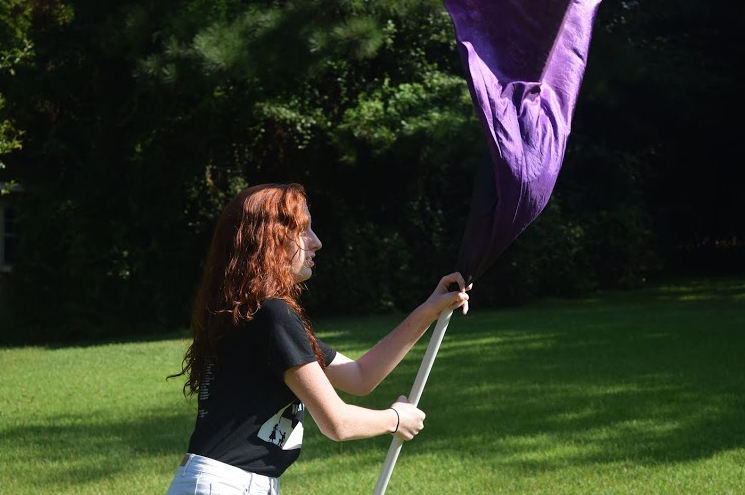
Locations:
column 288, row 342
column 328, row 352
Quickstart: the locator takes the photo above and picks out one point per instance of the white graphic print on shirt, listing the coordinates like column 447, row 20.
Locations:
column 204, row 386
column 285, row 428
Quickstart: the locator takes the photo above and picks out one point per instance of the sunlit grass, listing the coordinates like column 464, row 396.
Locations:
column 623, row 393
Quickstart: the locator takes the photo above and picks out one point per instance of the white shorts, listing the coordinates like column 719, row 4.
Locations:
column 198, row 475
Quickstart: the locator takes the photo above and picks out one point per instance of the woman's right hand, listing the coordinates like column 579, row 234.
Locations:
column 410, row 419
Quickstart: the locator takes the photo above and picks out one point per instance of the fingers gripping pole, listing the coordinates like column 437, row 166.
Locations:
column 414, row 396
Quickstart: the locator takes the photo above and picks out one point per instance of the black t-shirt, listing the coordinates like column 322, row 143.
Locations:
column 247, row 416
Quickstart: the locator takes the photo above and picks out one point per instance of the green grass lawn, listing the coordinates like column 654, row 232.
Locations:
column 638, row 392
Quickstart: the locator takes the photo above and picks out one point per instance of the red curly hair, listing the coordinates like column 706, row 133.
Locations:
column 248, row 262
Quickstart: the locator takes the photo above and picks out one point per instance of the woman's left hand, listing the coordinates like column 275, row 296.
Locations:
column 444, row 299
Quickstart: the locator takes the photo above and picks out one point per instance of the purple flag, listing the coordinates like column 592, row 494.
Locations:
column 524, row 62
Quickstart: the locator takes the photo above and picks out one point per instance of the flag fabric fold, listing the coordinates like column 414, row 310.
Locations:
column 524, row 62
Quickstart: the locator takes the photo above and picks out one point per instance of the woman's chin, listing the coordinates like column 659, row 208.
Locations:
column 304, row 275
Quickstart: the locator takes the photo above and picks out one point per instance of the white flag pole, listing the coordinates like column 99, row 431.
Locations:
column 416, row 393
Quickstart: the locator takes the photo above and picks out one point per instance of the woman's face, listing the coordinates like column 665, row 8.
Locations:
column 304, row 249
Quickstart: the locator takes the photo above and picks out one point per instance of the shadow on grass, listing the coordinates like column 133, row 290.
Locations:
column 83, row 449
column 647, row 377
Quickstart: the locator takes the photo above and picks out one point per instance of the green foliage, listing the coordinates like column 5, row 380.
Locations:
column 653, row 75
column 138, row 121
column 16, row 50
column 407, row 111
column 10, row 137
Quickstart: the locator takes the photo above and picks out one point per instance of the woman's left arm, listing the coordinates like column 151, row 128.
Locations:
column 360, row 377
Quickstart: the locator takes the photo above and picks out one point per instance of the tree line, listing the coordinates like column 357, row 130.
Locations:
column 130, row 125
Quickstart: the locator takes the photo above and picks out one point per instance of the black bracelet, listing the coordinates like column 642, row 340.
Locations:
column 398, row 420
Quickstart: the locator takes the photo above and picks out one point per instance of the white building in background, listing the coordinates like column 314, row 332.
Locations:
column 8, row 242
column 9, row 234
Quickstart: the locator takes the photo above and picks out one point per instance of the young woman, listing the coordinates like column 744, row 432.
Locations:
column 255, row 363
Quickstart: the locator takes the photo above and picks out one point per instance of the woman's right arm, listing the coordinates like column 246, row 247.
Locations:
column 340, row 421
